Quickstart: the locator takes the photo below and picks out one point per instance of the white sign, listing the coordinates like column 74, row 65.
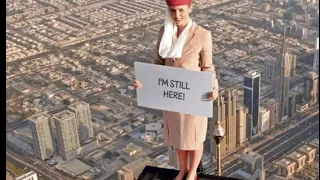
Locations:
column 174, row 89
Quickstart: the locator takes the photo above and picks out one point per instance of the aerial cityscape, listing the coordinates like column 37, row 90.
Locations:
column 71, row 108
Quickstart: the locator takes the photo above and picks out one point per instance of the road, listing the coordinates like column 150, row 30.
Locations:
column 291, row 147
column 22, row 161
column 159, row 151
column 21, row 165
column 280, row 145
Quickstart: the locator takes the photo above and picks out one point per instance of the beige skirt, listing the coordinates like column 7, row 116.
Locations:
column 184, row 131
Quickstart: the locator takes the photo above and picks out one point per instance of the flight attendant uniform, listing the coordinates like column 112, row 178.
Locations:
column 185, row 131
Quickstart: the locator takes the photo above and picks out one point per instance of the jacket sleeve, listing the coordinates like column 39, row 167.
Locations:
column 206, row 58
column 159, row 60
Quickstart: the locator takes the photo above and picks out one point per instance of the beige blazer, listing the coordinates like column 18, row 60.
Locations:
column 185, row 131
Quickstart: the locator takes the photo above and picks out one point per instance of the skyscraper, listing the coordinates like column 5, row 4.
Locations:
column 273, row 106
column 83, row 119
column 67, row 133
column 230, row 99
column 264, row 118
column 282, row 80
column 224, row 110
column 292, row 104
column 242, row 114
column 316, row 56
column 218, row 115
column 293, row 63
column 41, row 134
column 269, row 68
column 251, row 88
column 311, row 88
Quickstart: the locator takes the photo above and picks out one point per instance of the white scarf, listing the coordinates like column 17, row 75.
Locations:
column 167, row 48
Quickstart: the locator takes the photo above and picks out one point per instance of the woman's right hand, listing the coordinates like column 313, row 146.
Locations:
column 137, row 84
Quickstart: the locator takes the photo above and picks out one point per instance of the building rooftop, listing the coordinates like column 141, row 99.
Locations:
column 27, row 175
column 272, row 101
column 76, row 167
column 64, row 115
column 263, row 110
column 285, row 162
column 306, row 149
column 296, row 155
column 252, row 74
column 249, row 156
column 39, row 117
column 315, row 142
column 153, row 127
column 77, row 105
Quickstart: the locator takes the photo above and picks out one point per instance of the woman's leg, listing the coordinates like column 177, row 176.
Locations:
column 183, row 161
column 195, row 158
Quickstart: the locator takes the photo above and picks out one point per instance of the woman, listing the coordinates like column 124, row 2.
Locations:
column 184, row 44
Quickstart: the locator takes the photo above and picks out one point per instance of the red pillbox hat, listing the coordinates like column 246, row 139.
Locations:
column 178, row 2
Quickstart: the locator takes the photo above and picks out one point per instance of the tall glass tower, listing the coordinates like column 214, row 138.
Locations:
column 251, row 89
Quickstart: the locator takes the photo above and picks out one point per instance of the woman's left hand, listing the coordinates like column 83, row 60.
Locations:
column 213, row 95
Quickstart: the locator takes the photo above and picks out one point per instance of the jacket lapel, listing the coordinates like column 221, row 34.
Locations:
column 190, row 35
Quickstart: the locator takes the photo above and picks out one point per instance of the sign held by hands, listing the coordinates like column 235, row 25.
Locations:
column 174, row 89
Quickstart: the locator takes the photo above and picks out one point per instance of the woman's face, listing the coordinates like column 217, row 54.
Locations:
column 180, row 14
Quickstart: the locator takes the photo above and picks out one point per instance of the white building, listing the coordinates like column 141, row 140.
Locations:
column 264, row 117
column 28, row 176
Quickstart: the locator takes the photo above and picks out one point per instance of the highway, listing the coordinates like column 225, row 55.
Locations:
column 274, row 149
column 291, row 147
column 158, row 152
column 21, row 165
column 22, row 161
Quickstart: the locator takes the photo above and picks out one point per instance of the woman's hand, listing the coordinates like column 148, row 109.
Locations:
column 137, row 84
column 213, row 95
